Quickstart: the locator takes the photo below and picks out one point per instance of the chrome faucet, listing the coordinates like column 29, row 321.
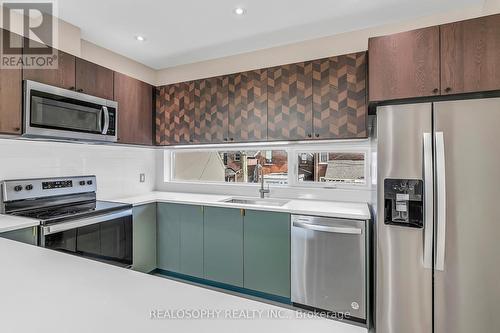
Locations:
column 262, row 190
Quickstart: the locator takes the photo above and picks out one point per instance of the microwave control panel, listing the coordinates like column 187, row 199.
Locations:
column 112, row 122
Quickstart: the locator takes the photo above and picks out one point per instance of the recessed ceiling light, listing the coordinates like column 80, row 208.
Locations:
column 140, row 38
column 239, row 11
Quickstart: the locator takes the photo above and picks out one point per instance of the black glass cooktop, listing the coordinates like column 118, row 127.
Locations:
column 56, row 214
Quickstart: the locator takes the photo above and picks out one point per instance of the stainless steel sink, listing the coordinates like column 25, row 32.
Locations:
column 257, row 202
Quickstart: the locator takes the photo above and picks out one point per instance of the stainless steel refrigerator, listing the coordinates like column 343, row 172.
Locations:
column 438, row 217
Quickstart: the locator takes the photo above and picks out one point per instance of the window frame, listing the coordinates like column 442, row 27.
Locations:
column 361, row 146
column 224, row 149
column 340, row 149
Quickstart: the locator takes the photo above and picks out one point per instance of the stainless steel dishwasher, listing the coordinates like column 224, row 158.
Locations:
column 329, row 265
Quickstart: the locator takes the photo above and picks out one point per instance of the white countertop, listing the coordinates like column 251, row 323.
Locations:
column 10, row 223
column 348, row 210
column 47, row 291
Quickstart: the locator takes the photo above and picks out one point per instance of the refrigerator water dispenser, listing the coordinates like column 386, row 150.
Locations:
column 403, row 202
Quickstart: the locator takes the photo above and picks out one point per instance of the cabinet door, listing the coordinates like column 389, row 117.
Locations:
column 62, row 77
column 144, row 238
column 248, row 106
column 191, row 240
column 135, row 110
column 210, row 123
column 289, row 105
column 25, row 235
column 339, row 97
column 10, row 96
column 267, row 252
column 404, row 65
column 174, row 113
column 93, row 79
column 168, row 236
column 470, row 55
column 223, row 245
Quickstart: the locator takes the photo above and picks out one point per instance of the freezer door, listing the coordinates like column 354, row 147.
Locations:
column 403, row 283
column 467, row 292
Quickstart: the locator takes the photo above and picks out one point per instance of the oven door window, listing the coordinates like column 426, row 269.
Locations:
column 55, row 112
column 109, row 241
column 116, row 240
column 64, row 241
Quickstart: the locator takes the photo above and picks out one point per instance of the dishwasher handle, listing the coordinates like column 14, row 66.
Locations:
column 327, row 228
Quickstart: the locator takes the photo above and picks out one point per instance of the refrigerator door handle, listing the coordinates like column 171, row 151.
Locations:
column 441, row 202
column 428, row 200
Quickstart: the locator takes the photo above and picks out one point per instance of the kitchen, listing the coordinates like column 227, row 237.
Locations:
column 319, row 177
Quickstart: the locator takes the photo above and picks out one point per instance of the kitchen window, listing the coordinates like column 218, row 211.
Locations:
column 331, row 167
column 230, row 166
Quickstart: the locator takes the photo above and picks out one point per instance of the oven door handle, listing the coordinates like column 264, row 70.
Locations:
column 52, row 229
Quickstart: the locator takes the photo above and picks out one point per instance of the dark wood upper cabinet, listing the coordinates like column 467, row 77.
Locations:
column 211, row 103
column 248, row 106
column 62, row 77
column 404, row 65
column 135, row 109
column 289, row 103
column 339, row 97
column 175, row 113
column 10, row 97
column 93, row 79
column 470, row 55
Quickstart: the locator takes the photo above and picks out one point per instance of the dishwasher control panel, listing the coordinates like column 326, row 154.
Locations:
column 403, row 202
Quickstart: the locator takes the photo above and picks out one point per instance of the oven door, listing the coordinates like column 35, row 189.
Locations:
column 60, row 113
column 106, row 238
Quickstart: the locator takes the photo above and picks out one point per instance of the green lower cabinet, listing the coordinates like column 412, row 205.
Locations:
column 223, row 245
column 144, row 238
column 168, row 236
column 267, row 252
column 191, row 241
column 242, row 248
column 180, row 238
column 25, row 235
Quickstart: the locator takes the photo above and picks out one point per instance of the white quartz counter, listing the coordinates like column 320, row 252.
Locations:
column 10, row 223
column 47, row 291
column 348, row 210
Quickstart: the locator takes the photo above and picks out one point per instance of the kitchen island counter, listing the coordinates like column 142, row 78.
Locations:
column 47, row 291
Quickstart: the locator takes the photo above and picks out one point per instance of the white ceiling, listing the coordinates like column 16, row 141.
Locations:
column 186, row 31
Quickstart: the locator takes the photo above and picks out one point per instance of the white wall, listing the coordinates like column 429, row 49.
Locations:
column 69, row 40
column 314, row 49
column 117, row 167
column 116, row 62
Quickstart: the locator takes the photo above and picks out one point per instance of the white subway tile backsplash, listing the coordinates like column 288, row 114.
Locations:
column 117, row 167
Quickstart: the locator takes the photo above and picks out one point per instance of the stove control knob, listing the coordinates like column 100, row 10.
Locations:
column 82, row 182
column 29, row 187
column 89, row 182
column 18, row 188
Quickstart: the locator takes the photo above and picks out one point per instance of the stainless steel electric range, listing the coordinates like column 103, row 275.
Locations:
column 71, row 219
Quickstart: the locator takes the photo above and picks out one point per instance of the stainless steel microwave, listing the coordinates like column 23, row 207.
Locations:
column 58, row 113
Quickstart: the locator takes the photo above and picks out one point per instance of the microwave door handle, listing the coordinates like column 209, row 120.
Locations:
column 106, row 120
column 441, row 202
column 428, row 201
